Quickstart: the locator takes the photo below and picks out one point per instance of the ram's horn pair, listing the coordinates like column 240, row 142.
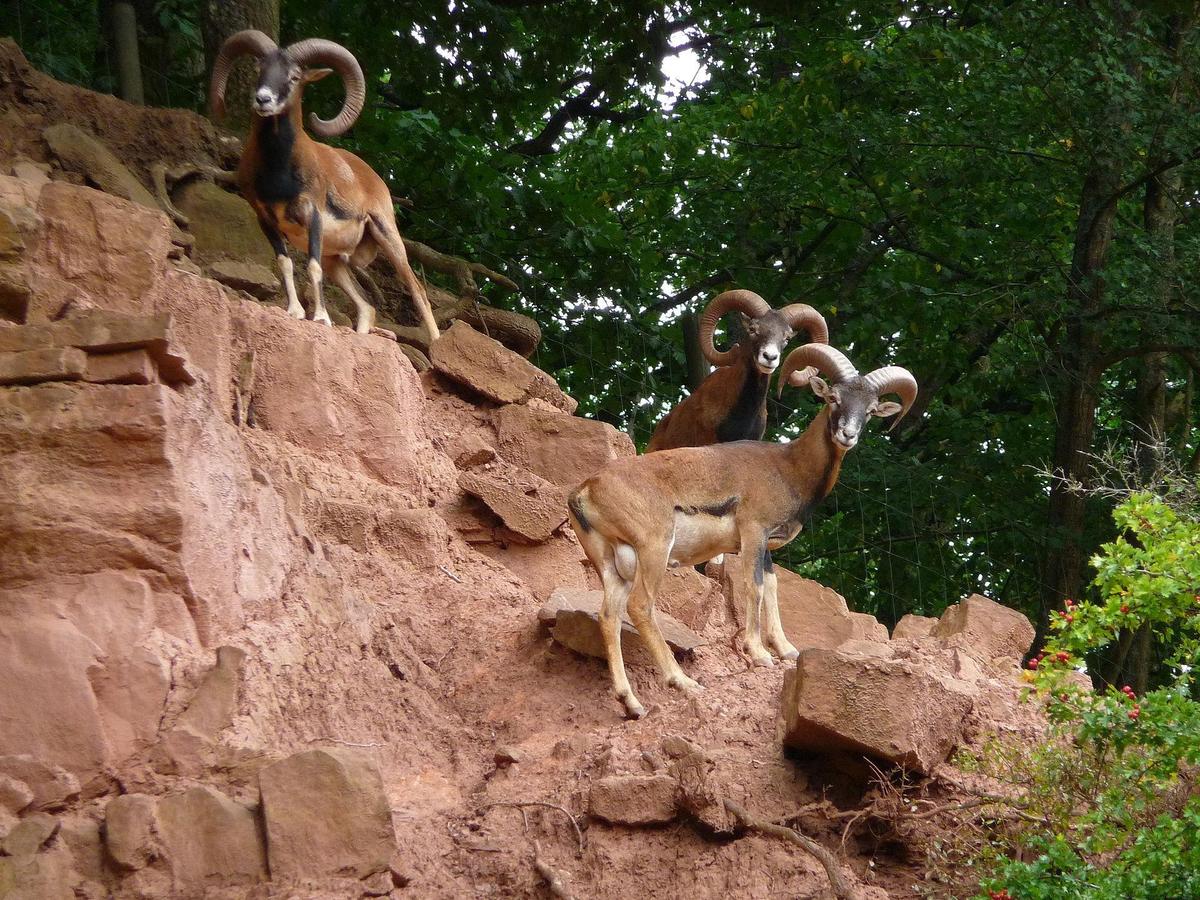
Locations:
column 801, row 363
column 798, row 315
column 303, row 53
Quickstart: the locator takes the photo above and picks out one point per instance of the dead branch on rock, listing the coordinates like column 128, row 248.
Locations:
column 554, row 878
column 521, row 805
column 462, row 271
column 833, row 869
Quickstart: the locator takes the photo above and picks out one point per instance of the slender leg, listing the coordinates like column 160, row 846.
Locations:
column 776, row 639
column 751, row 558
column 652, row 566
column 315, row 273
column 616, row 595
column 294, row 307
column 340, row 272
column 389, row 240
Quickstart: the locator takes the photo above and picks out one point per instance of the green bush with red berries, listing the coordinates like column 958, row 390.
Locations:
column 1113, row 797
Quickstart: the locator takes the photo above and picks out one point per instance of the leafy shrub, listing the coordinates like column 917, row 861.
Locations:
column 1111, row 801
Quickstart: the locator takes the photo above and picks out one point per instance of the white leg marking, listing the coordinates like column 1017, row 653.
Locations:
column 287, row 270
column 320, row 314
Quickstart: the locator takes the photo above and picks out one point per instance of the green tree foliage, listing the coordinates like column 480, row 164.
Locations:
column 1115, row 810
column 959, row 187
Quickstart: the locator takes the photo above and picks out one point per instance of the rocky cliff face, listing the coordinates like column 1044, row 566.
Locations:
column 269, row 619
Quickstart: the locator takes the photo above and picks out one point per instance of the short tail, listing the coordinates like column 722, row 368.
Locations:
column 575, row 505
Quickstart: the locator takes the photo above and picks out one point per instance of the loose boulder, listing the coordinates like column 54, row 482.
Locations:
column 561, row 448
column 209, row 838
column 528, row 505
column 985, row 629
column 491, row 369
column 864, row 700
column 327, row 815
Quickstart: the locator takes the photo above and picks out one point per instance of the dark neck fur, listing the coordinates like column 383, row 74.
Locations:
column 277, row 180
column 747, row 420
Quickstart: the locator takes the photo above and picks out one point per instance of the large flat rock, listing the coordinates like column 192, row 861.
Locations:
column 864, row 700
column 574, row 620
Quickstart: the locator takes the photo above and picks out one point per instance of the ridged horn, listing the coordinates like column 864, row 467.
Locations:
column 250, row 41
column 802, row 316
column 815, row 358
column 342, row 61
column 743, row 301
column 894, row 380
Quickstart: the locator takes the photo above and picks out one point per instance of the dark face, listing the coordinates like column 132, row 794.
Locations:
column 280, row 84
column 851, row 406
column 768, row 336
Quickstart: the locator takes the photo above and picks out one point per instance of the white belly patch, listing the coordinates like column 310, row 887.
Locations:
column 699, row 537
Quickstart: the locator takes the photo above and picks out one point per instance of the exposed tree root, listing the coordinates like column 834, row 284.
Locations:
column 833, row 869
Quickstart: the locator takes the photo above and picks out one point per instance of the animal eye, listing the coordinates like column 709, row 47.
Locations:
column 294, row 79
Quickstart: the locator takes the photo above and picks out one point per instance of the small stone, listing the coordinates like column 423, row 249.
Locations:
column 378, row 885
column 256, row 280
column 677, row 747
column 53, row 787
column 574, row 620
column 15, row 795
column 913, row 628
column 634, row 799
column 507, row 756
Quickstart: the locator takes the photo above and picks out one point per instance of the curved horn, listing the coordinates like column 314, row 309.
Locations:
column 815, row 358
column 342, row 61
column 894, row 380
column 801, row 315
column 743, row 301
column 249, row 41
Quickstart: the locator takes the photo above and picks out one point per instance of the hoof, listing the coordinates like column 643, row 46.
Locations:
column 790, row 653
column 685, row 684
column 759, row 657
column 633, row 709
column 296, row 312
column 383, row 333
column 324, row 320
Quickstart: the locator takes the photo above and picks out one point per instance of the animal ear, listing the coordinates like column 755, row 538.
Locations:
column 820, row 388
column 887, row 408
column 311, row 75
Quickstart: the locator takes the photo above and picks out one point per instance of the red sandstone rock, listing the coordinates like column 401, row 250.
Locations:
column 491, row 369
column 561, row 448
column 531, row 506
column 50, row 786
column 634, row 799
column 862, row 700
column 574, row 619
column 129, row 830
column 326, row 814
column 985, row 629
column 913, row 628
column 34, row 366
column 208, row 838
column 122, row 367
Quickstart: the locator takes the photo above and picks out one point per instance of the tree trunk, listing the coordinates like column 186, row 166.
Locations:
column 697, row 365
column 125, row 42
column 218, row 20
column 1062, row 571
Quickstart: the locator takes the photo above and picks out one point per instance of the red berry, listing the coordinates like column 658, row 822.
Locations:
column 1135, row 712
column 1070, row 619
column 1070, row 603
column 1033, row 663
column 1125, row 607
column 1063, row 696
column 1062, row 656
